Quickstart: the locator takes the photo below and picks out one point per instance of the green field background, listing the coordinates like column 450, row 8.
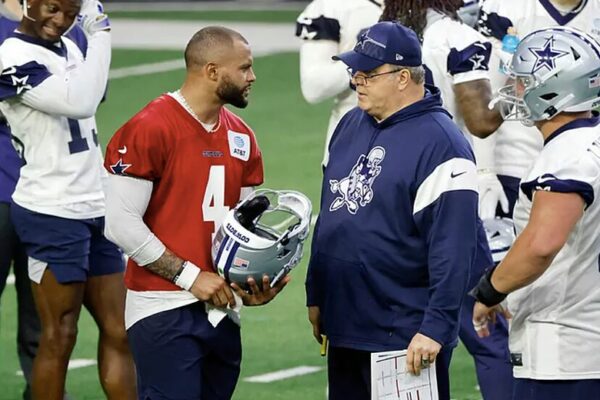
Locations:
column 277, row 336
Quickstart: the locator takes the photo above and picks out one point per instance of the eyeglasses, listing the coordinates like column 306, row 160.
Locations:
column 363, row 80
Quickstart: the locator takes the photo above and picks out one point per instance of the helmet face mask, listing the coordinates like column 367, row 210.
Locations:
column 512, row 98
column 553, row 70
column 263, row 235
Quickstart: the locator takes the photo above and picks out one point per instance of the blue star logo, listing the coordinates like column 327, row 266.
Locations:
column 545, row 57
column 119, row 167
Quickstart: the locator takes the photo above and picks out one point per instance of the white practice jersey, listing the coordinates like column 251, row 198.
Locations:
column 555, row 331
column 454, row 53
column 516, row 144
column 339, row 22
column 63, row 173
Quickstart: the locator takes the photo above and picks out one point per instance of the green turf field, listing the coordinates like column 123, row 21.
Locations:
column 213, row 15
column 278, row 336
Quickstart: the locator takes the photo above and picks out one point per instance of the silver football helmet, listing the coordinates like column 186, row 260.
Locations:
column 500, row 234
column 263, row 234
column 469, row 12
column 554, row 70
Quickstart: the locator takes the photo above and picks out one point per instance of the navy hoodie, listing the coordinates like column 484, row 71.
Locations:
column 398, row 230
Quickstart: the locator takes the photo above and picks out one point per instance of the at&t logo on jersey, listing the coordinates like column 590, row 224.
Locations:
column 239, row 145
column 356, row 189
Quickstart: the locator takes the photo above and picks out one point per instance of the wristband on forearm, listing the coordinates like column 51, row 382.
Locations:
column 187, row 274
column 485, row 292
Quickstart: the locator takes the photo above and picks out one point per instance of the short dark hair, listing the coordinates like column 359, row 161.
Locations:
column 201, row 46
column 413, row 13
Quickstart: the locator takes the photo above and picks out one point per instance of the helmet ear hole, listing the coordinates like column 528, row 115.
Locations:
column 283, row 253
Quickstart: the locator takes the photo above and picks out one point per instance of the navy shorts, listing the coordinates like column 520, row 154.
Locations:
column 73, row 248
column 532, row 389
column 179, row 355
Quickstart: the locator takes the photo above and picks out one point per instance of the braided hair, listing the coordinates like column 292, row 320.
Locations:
column 413, row 13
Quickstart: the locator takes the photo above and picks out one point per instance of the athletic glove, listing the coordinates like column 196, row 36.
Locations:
column 91, row 17
column 490, row 194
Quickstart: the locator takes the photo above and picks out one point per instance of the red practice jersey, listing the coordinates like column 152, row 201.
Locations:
column 197, row 177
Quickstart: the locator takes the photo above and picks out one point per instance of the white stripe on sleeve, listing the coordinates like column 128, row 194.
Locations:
column 454, row 174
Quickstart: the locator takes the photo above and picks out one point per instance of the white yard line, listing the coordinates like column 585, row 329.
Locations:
column 240, row 5
column 264, row 39
column 313, row 219
column 74, row 364
column 146, row 69
column 283, row 374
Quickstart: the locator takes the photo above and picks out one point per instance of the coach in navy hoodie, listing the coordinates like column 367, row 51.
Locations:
column 398, row 230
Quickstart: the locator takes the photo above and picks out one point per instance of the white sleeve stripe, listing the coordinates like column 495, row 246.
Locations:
column 454, row 174
column 470, row 76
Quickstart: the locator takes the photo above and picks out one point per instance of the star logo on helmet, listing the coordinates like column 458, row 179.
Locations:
column 546, row 56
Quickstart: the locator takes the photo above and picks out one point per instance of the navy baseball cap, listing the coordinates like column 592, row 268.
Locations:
column 386, row 42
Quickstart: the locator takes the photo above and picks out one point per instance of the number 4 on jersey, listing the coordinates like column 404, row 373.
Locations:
column 213, row 205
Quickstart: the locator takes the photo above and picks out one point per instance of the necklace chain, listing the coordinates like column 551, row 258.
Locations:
column 187, row 107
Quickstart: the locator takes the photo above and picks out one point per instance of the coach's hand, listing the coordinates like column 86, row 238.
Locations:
column 421, row 353
column 256, row 296
column 213, row 289
column 314, row 316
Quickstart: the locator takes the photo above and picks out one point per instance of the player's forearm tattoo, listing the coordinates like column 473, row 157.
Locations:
column 166, row 266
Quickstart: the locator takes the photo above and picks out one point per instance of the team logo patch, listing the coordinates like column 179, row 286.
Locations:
column 119, row 167
column 212, row 153
column 356, row 189
column 239, row 145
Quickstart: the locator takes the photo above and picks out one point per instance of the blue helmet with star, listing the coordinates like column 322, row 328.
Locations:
column 554, row 70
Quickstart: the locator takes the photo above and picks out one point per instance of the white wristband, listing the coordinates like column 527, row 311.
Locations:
column 186, row 279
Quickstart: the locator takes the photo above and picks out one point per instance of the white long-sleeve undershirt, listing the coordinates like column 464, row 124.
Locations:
column 320, row 76
column 78, row 94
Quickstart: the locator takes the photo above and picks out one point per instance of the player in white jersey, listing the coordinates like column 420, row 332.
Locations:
column 456, row 57
column 327, row 28
column 551, row 273
column 49, row 92
column 516, row 145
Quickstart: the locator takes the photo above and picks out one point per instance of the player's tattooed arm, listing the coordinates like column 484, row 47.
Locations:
column 472, row 99
column 167, row 265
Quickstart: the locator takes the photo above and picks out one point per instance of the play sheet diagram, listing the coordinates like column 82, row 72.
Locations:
column 391, row 381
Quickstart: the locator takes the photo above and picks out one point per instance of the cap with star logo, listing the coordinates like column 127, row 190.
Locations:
column 387, row 42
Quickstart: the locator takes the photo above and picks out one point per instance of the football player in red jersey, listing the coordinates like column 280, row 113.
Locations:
column 177, row 167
